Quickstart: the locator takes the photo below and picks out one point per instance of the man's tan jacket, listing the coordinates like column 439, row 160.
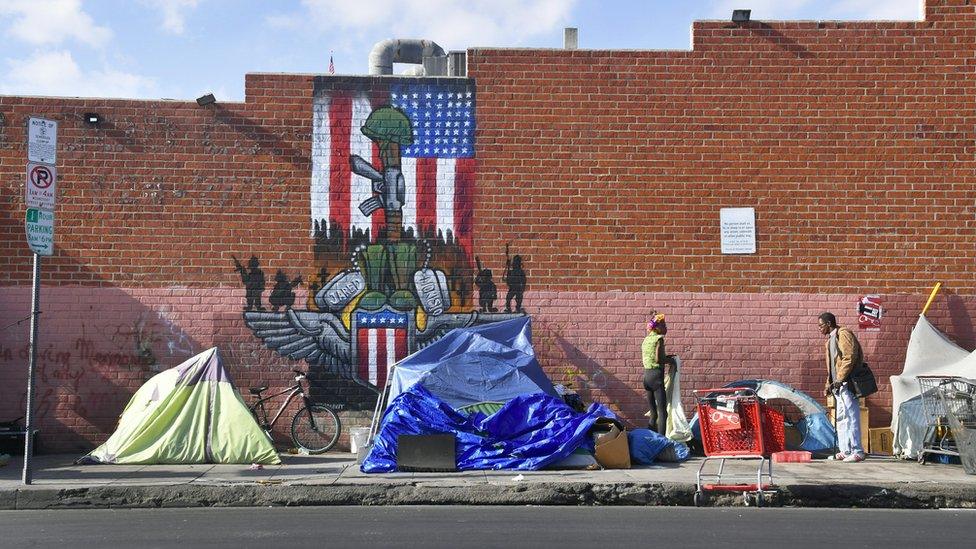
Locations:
column 849, row 354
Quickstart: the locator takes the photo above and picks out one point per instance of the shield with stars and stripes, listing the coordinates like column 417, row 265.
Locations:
column 379, row 339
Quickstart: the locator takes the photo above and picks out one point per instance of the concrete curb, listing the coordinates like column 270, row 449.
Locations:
column 896, row 496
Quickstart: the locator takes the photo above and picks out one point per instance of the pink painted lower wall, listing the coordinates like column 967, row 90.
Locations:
column 98, row 345
column 592, row 340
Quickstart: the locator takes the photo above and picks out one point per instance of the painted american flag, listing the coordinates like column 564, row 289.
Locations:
column 438, row 168
column 381, row 340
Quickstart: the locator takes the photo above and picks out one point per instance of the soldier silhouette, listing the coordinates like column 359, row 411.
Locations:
column 282, row 294
column 315, row 285
column 487, row 291
column 515, row 279
column 253, row 279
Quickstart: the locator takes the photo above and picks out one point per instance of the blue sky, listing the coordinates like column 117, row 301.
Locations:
column 181, row 49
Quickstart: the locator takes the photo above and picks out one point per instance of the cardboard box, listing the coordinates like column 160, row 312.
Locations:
column 612, row 448
column 880, row 441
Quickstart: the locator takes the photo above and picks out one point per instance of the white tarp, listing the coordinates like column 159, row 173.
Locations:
column 930, row 353
column 678, row 427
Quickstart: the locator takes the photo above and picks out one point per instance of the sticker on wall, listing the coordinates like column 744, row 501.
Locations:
column 869, row 313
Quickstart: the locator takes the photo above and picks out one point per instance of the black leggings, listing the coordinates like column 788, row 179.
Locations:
column 654, row 386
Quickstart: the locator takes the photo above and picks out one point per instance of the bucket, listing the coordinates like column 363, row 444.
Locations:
column 358, row 438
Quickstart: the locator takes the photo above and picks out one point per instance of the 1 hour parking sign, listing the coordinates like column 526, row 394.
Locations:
column 40, row 231
column 41, row 186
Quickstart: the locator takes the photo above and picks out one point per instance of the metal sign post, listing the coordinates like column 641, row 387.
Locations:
column 40, row 198
column 35, row 310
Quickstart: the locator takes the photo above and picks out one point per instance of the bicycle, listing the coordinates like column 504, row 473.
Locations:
column 315, row 427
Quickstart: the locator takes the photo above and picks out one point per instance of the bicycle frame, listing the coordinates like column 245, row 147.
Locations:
column 266, row 425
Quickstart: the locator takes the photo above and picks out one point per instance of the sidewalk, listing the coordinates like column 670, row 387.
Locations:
column 335, row 479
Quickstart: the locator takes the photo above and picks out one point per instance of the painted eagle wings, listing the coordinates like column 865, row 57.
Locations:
column 317, row 338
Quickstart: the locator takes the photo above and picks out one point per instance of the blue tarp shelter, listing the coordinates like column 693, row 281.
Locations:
column 489, row 363
column 529, row 432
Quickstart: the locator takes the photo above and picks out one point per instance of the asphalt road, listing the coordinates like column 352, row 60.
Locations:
column 461, row 527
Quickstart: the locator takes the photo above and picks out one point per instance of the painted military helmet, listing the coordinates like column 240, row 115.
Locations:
column 388, row 124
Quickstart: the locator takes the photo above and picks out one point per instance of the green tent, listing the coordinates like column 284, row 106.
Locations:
column 188, row 414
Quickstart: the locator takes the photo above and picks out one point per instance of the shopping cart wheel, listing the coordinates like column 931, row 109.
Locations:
column 752, row 499
column 699, row 499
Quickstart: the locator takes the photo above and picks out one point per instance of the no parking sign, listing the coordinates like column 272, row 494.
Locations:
column 41, row 186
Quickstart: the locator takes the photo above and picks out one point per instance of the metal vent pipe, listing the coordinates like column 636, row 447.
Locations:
column 405, row 50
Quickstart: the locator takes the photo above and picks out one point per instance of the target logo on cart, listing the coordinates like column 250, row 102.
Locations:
column 41, row 186
column 724, row 421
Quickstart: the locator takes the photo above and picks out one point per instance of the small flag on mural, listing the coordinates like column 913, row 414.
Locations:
column 381, row 340
column 331, row 65
column 869, row 313
column 437, row 164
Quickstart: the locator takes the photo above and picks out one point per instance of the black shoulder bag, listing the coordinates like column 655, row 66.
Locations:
column 862, row 381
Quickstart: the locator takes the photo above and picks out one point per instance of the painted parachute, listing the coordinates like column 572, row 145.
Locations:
column 807, row 425
column 188, row 414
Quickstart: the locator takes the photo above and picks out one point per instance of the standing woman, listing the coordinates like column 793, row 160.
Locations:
column 655, row 358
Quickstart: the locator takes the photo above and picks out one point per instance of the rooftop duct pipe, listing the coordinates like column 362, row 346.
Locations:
column 408, row 50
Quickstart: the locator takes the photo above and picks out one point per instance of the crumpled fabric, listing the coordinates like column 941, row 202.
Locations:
column 528, row 433
column 645, row 445
column 678, row 427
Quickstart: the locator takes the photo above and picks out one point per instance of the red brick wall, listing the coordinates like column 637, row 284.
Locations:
column 605, row 170
column 854, row 143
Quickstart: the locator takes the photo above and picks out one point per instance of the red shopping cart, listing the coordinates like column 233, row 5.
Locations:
column 736, row 425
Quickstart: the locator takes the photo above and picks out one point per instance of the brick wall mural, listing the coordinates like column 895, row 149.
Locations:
column 392, row 181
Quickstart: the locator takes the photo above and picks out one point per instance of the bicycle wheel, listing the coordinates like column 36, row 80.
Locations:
column 315, row 429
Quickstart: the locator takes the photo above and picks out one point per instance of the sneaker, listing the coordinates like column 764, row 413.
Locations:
column 840, row 456
column 854, row 458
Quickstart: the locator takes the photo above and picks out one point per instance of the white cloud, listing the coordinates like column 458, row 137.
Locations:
column 173, row 12
column 452, row 24
column 57, row 73
column 51, row 22
column 843, row 10
column 283, row 21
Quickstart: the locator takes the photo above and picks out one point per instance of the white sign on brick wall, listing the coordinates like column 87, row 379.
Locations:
column 738, row 230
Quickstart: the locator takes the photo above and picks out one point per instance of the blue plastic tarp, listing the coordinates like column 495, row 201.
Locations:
column 529, row 432
column 490, row 363
column 645, row 445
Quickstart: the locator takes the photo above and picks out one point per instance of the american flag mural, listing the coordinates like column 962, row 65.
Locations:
column 438, row 167
column 392, row 184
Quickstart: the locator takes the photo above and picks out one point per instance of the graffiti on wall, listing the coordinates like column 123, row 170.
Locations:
column 392, row 200
column 85, row 379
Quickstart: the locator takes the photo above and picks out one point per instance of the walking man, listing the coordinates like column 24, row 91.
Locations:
column 843, row 356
